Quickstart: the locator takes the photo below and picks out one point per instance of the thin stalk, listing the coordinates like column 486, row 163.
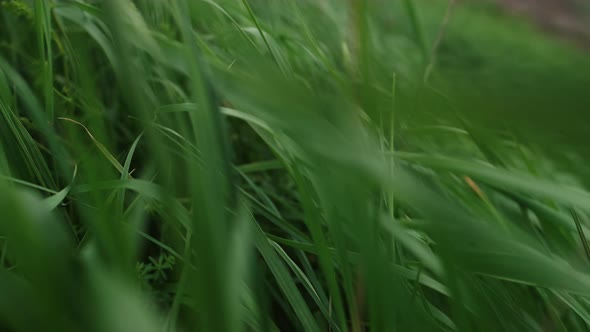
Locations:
column 390, row 198
column 42, row 13
column 439, row 38
column 253, row 17
column 583, row 239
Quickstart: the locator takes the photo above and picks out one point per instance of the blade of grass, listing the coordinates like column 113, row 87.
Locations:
column 263, row 35
column 44, row 43
column 284, row 279
column 508, row 180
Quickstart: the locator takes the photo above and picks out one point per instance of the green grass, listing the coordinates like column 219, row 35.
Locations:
column 223, row 165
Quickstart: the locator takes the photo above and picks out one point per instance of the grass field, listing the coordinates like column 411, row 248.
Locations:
column 290, row 165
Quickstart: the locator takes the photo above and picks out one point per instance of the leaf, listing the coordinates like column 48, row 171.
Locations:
column 53, row 202
column 483, row 247
column 105, row 152
column 306, row 283
column 284, row 279
column 508, row 180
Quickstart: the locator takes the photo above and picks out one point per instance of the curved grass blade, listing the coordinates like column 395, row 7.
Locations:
column 52, row 202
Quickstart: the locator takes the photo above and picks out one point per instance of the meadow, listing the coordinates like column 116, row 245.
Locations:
column 291, row 165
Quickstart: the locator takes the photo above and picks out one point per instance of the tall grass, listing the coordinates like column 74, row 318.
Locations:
column 223, row 165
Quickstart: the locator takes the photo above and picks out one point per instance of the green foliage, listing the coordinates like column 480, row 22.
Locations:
column 223, row 165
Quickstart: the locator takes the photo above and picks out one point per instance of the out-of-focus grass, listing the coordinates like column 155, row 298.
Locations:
column 224, row 165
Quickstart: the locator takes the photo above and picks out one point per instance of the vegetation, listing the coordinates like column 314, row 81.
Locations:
column 249, row 165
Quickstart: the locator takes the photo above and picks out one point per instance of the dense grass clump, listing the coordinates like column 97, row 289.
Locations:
column 242, row 165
